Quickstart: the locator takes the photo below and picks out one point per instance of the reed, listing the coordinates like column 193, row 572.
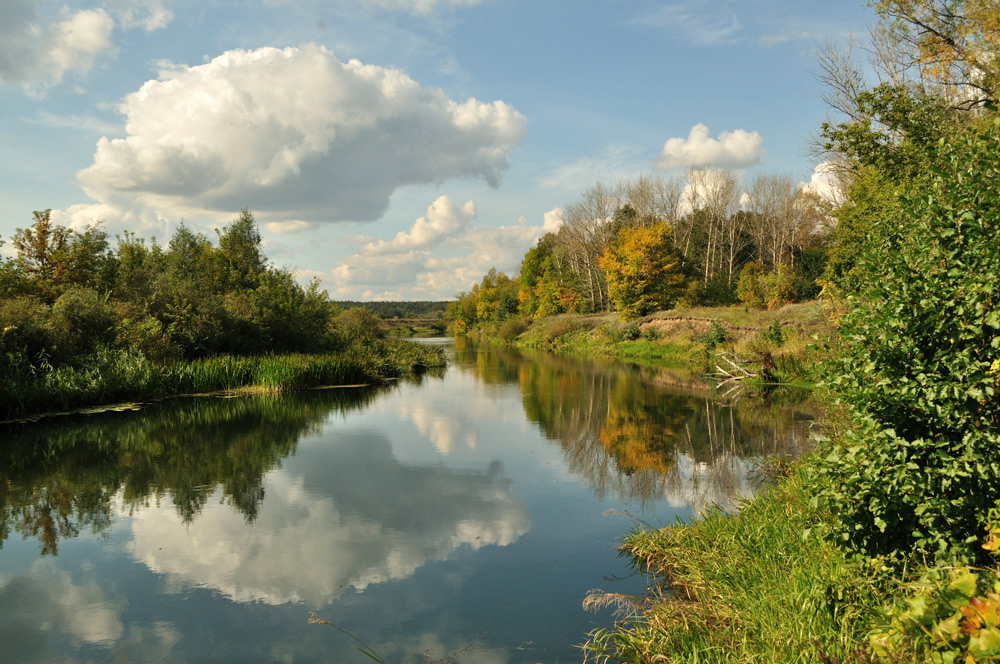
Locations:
column 108, row 376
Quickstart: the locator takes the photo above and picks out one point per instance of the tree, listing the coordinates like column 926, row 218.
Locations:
column 643, row 270
column 240, row 251
column 42, row 253
column 952, row 43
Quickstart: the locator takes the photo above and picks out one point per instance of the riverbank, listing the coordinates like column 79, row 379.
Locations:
column 778, row 345
column 753, row 586
column 111, row 376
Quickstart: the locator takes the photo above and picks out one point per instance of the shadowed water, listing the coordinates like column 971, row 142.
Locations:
column 460, row 516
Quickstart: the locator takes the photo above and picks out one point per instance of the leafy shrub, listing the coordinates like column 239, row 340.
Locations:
column 715, row 336
column 24, row 327
column 82, row 320
column 918, row 352
column 949, row 617
column 560, row 328
column 512, row 328
column 781, row 287
column 651, row 334
column 145, row 334
column 750, row 286
column 359, row 324
column 630, row 332
column 773, row 334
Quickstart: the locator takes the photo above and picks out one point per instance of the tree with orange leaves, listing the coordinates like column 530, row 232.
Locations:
column 642, row 269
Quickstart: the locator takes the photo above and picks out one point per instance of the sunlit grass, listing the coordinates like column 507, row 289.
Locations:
column 743, row 587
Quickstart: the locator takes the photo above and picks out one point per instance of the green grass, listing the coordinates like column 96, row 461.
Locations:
column 744, row 587
column 676, row 338
column 110, row 376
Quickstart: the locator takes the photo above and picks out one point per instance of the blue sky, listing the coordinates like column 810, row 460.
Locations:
column 394, row 149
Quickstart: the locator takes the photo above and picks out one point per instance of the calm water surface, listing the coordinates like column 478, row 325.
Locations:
column 461, row 517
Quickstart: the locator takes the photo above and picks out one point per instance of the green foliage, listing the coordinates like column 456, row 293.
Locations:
column 742, row 586
column 900, row 124
column 243, row 261
column 951, row 615
column 82, row 321
column 512, row 328
column 497, row 298
column 774, row 334
column 24, row 327
column 918, row 347
column 693, row 295
column 67, row 300
column 869, row 215
column 715, row 336
column 355, row 325
column 630, row 332
column 750, row 286
column 398, row 309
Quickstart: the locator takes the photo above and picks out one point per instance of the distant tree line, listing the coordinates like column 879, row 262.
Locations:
column 652, row 243
column 394, row 309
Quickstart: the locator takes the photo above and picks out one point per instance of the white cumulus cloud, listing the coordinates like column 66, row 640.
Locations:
column 294, row 134
column 825, row 183
column 440, row 255
column 732, row 149
column 443, row 220
column 36, row 53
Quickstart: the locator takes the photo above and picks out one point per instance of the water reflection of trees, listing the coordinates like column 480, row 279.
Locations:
column 636, row 433
column 64, row 476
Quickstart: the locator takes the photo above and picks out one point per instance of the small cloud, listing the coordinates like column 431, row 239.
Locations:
column 36, row 54
column 695, row 23
column 149, row 15
column 443, row 220
column 87, row 123
column 552, row 220
column 420, row 7
column 287, row 227
column 735, row 149
column 439, row 256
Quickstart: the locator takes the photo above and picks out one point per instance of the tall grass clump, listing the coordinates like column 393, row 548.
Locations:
column 740, row 587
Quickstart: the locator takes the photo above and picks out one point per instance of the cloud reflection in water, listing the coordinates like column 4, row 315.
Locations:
column 354, row 516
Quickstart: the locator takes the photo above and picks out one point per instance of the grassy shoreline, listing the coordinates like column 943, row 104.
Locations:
column 776, row 346
column 745, row 587
column 111, row 376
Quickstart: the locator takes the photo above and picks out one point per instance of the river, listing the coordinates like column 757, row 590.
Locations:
column 461, row 516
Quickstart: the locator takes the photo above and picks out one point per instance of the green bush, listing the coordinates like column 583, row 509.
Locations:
column 511, row 328
column 359, row 325
column 715, row 336
column 750, row 286
column 918, row 369
column 774, row 334
column 560, row 328
column 781, row 287
column 82, row 321
column 630, row 332
column 24, row 327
